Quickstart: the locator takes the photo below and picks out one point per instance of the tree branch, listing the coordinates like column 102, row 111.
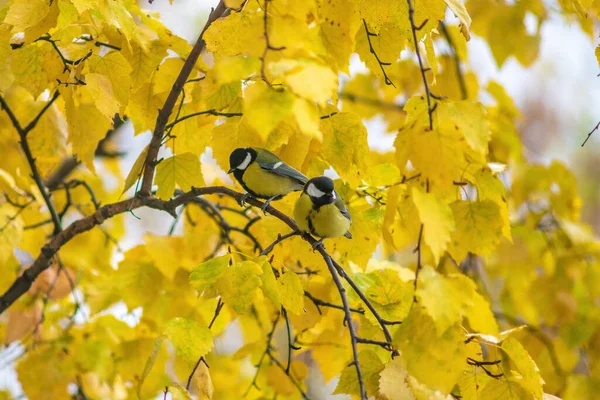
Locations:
column 30, row 159
column 349, row 324
column 387, row 80
column 167, row 109
column 23, row 283
column 589, row 135
column 220, row 305
column 279, row 239
column 414, row 28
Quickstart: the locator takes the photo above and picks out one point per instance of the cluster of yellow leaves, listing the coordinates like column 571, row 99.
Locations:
column 275, row 80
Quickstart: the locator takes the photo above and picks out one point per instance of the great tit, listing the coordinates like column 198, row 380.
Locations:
column 321, row 211
column 264, row 175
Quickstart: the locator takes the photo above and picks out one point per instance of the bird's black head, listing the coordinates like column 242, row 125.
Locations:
column 241, row 158
column 321, row 191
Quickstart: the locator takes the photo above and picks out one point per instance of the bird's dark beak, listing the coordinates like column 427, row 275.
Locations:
column 231, row 170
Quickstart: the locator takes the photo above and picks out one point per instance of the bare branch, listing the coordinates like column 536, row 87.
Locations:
column 167, row 109
column 349, row 324
column 207, row 112
column 30, row 159
column 279, row 239
column 220, row 305
column 414, row 28
column 387, row 80
column 268, row 45
column 590, row 134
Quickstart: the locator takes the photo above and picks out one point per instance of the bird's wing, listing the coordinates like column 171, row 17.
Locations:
column 339, row 203
column 270, row 162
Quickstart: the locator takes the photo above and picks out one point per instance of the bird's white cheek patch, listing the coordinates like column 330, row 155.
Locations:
column 314, row 192
column 245, row 163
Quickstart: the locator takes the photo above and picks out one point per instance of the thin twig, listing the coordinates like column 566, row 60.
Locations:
column 30, row 159
column 388, row 81
column 418, row 250
column 220, row 305
column 268, row 45
column 350, row 326
column 264, row 354
column 292, row 379
column 372, row 102
column 280, row 238
column 321, row 303
column 590, row 134
column 414, row 28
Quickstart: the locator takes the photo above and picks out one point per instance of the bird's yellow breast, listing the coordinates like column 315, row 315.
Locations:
column 325, row 222
column 302, row 211
column 267, row 184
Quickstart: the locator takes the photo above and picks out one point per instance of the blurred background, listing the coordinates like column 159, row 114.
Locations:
column 558, row 96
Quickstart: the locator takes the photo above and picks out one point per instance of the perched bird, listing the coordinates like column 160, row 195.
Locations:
column 321, row 211
column 264, row 175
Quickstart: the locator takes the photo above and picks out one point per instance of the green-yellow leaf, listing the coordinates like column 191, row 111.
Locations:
column 430, row 357
column 209, row 272
column 149, row 364
column 238, row 285
column 478, row 228
column 470, row 119
column 190, row 339
column 371, row 366
column 390, row 292
column 345, row 146
column 504, row 389
column 532, row 380
column 182, row 170
column 437, row 220
column 445, row 298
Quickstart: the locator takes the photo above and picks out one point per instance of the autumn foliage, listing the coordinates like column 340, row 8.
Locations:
column 469, row 274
